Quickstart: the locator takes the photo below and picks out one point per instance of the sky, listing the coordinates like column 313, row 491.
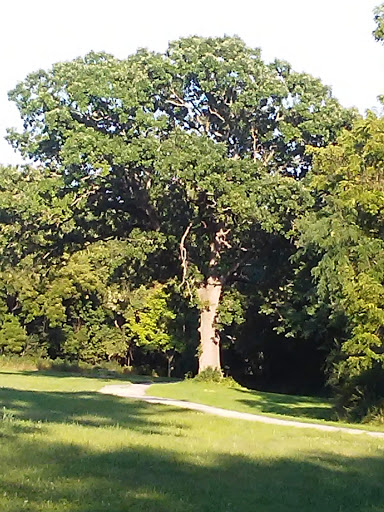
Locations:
column 331, row 39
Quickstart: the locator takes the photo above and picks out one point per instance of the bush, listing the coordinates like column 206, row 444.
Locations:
column 20, row 363
column 209, row 375
column 361, row 398
column 104, row 369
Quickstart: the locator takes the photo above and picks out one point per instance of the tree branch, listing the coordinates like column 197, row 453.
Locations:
column 173, row 102
column 254, row 143
column 215, row 113
column 183, row 258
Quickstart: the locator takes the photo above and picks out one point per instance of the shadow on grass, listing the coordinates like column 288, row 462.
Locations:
column 42, row 474
column 54, row 476
column 82, row 408
column 287, row 405
column 10, row 429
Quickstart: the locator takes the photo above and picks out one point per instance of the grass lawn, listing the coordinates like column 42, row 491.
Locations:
column 246, row 400
column 301, row 408
column 63, row 447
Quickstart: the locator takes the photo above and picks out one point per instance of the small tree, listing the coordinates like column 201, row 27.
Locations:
column 149, row 322
column 13, row 337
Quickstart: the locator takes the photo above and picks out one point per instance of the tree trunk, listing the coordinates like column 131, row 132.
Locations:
column 170, row 358
column 209, row 295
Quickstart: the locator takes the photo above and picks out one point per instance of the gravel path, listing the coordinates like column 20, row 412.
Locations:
column 138, row 391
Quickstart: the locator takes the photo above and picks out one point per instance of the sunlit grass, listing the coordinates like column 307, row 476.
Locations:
column 237, row 398
column 64, row 448
column 246, row 400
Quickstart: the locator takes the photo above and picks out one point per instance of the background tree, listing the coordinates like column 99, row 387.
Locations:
column 339, row 281
column 379, row 20
column 57, row 299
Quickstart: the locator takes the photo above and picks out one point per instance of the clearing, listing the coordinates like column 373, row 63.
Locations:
column 64, row 447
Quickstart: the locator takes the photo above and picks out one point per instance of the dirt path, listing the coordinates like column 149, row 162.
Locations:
column 138, row 391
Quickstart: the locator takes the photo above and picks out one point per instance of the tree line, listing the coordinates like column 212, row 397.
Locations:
column 197, row 210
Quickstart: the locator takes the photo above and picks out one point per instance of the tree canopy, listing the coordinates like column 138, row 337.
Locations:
column 203, row 143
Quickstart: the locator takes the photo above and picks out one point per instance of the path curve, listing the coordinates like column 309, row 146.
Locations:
column 138, row 391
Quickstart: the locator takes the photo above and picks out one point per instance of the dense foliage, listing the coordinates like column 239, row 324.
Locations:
column 336, row 293
column 199, row 193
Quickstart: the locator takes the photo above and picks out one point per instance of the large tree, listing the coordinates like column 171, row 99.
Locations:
column 204, row 143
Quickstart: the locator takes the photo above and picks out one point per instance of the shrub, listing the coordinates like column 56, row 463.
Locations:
column 13, row 336
column 209, row 375
column 361, row 398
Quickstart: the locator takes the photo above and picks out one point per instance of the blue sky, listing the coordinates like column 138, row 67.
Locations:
column 330, row 39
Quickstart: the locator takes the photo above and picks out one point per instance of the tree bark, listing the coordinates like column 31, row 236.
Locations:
column 209, row 295
column 170, row 358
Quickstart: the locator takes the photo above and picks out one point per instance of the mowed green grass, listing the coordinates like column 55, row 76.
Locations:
column 242, row 399
column 64, row 447
column 306, row 409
